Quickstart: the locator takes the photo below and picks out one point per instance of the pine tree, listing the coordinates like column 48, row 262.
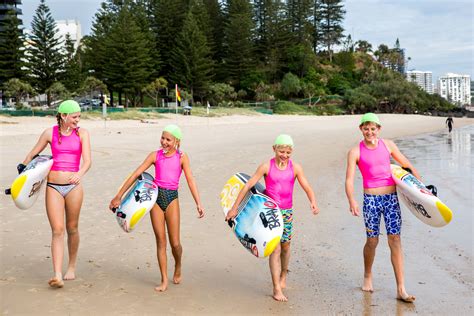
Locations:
column 238, row 33
column 45, row 60
column 73, row 74
column 128, row 48
column 169, row 18
column 11, row 48
column 332, row 14
column 216, row 22
column 191, row 60
column 299, row 13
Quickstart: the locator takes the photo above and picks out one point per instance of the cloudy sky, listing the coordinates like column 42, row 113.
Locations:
column 436, row 34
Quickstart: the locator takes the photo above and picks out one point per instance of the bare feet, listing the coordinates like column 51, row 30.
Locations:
column 162, row 287
column 70, row 274
column 56, row 282
column 406, row 298
column 177, row 274
column 279, row 296
column 367, row 286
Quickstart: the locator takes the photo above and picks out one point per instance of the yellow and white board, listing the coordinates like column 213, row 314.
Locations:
column 420, row 201
column 138, row 201
column 26, row 187
column 259, row 223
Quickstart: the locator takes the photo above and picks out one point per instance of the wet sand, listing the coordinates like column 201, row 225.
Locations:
column 117, row 271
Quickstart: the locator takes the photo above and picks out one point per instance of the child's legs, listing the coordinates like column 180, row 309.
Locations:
column 172, row 216
column 285, row 243
column 372, row 215
column 393, row 223
column 55, row 210
column 73, row 204
column 158, row 222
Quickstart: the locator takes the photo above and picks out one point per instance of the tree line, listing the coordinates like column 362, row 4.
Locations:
column 218, row 51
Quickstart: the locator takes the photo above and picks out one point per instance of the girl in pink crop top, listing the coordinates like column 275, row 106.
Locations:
column 169, row 162
column 280, row 174
column 64, row 192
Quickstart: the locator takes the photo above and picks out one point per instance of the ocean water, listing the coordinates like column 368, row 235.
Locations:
column 446, row 160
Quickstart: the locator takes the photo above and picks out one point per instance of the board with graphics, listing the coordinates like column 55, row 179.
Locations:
column 259, row 223
column 420, row 201
column 138, row 201
column 26, row 187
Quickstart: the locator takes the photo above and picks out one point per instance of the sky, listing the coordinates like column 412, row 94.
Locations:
column 438, row 35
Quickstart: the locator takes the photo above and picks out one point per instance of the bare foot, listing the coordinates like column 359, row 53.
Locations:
column 177, row 275
column 279, row 296
column 70, row 274
column 367, row 286
column 406, row 298
column 56, row 282
column 162, row 287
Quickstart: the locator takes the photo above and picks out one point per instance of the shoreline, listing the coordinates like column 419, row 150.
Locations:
column 117, row 271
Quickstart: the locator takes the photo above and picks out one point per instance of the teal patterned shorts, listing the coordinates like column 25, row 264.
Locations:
column 287, row 225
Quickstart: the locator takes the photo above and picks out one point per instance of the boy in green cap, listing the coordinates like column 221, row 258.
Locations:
column 372, row 156
column 280, row 174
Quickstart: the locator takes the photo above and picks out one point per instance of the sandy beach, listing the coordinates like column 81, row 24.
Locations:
column 117, row 271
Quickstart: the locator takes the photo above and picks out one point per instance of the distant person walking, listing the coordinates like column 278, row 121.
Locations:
column 449, row 123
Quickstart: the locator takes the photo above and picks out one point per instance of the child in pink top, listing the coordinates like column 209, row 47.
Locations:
column 169, row 163
column 280, row 174
column 372, row 156
column 64, row 192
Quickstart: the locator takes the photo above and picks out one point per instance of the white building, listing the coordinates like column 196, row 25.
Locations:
column 73, row 27
column 455, row 88
column 424, row 79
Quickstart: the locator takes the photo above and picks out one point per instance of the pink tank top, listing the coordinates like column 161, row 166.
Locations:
column 374, row 165
column 67, row 154
column 279, row 184
column 168, row 170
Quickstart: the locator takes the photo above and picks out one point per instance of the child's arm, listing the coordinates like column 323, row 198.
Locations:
column 42, row 142
column 261, row 171
column 401, row 159
column 352, row 158
column 131, row 179
column 307, row 188
column 192, row 184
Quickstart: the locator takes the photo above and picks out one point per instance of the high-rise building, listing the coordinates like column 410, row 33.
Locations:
column 424, row 79
column 8, row 5
column 71, row 27
column 455, row 88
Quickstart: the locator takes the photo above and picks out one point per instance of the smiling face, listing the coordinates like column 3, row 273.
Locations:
column 282, row 154
column 370, row 131
column 70, row 121
column 168, row 142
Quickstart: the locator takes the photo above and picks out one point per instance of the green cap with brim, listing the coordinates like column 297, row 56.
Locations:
column 174, row 130
column 284, row 140
column 370, row 117
column 68, row 107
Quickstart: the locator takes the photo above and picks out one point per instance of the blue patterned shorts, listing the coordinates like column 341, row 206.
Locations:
column 287, row 225
column 375, row 206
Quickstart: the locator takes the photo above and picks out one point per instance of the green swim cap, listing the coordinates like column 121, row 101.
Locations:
column 174, row 130
column 68, row 107
column 284, row 139
column 370, row 117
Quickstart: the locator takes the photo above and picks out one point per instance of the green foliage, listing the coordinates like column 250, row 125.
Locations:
column 91, row 85
column 290, row 85
column 192, row 65
column 45, row 61
column 286, row 107
column 11, row 48
column 57, row 91
column 17, row 89
column 73, row 73
column 153, row 88
column 220, row 92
